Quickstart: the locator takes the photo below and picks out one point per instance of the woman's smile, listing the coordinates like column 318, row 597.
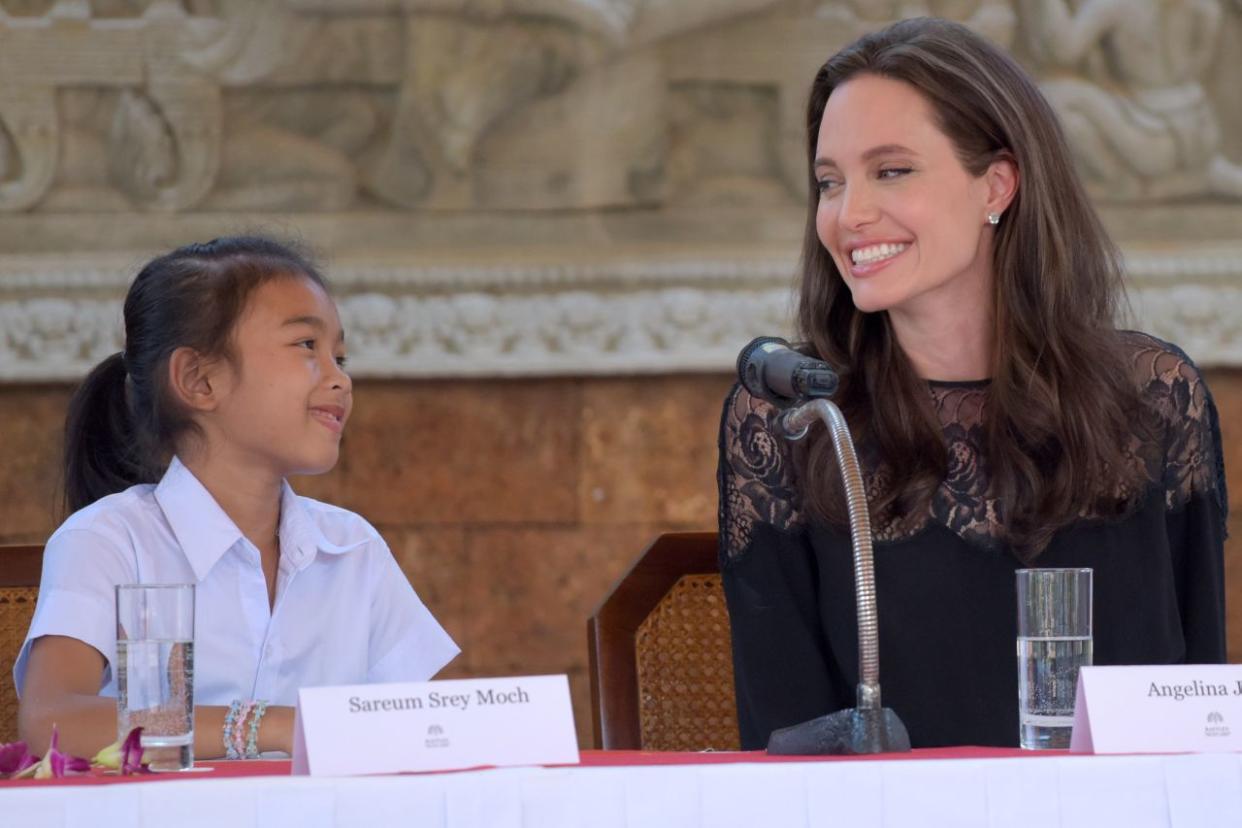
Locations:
column 866, row 259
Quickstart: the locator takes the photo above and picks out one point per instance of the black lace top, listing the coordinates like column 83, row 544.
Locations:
column 945, row 580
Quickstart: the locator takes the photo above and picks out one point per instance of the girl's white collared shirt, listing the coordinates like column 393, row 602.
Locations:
column 344, row 612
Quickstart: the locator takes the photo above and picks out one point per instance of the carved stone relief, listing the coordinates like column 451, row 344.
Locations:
column 604, row 131
column 1127, row 78
column 294, row 105
column 645, row 316
column 636, row 316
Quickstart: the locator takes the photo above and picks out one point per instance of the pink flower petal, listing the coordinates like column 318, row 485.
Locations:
column 76, row 764
column 56, row 765
column 27, row 762
column 13, row 757
column 131, row 753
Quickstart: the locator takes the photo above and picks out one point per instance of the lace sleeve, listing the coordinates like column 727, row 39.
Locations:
column 1178, row 395
column 755, row 475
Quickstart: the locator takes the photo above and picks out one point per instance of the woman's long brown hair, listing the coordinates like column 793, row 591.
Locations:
column 1061, row 391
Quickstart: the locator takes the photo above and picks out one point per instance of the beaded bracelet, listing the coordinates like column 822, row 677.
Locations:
column 239, row 730
column 230, row 722
column 252, row 736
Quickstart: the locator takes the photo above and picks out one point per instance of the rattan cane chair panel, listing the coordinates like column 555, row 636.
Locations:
column 16, row 608
column 685, row 670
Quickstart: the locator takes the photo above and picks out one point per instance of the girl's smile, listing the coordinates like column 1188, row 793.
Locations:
column 332, row 416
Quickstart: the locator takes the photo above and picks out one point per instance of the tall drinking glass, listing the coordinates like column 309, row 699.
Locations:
column 155, row 670
column 1054, row 640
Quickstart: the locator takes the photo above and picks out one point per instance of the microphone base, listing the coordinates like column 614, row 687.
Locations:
column 844, row 733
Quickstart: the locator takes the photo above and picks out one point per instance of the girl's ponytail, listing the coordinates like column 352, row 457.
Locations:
column 99, row 437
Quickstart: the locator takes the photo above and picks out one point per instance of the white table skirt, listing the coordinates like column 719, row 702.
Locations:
column 1041, row 792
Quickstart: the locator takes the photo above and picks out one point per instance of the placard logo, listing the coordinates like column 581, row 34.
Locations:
column 1216, row 725
column 435, row 737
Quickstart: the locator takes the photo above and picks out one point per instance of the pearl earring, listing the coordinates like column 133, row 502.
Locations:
column 993, row 218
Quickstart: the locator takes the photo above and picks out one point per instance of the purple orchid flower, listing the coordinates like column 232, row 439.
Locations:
column 15, row 757
column 131, row 754
column 56, row 764
column 124, row 755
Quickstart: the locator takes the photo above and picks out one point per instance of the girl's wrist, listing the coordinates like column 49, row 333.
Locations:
column 276, row 734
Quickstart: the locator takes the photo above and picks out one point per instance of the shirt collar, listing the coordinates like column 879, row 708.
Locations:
column 202, row 528
column 205, row 532
column 301, row 536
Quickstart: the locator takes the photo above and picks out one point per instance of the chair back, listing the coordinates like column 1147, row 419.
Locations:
column 661, row 659
column 20, row 568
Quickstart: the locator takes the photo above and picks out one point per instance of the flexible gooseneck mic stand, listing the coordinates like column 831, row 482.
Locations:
column 870, row 727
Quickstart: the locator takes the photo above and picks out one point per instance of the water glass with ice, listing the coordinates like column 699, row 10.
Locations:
column 1054, row 641
column 155, row 670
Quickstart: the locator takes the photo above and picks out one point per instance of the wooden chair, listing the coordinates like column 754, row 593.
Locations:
column 20, row 568
column 660, row 655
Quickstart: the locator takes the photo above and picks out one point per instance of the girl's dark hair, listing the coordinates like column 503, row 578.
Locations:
column 1060, row 391
column 123, row 423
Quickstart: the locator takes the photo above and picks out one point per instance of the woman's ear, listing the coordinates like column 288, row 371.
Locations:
column 194, row 379
column 1002, row 180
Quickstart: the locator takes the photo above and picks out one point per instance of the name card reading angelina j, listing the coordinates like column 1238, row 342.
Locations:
column 434, row 725
column 1172, row 708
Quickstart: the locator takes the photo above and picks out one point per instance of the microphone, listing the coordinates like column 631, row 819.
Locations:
column 771, row 370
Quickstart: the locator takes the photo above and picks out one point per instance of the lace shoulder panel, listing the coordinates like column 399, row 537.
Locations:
column 755, row 476
column 1181, row 409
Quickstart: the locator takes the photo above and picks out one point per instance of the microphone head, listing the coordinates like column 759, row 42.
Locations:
column 771, row 370
column 750, row 369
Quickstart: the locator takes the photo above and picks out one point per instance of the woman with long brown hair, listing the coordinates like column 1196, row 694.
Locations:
column 956, row 275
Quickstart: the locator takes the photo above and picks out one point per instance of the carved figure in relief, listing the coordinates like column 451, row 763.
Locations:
column 164, row 138
column 29, row 126
column 504, row 103
column 994, row 19
column 556, row 105
column 277, row 154
column 1130, row 94
column 142, row 112
column 500, row 103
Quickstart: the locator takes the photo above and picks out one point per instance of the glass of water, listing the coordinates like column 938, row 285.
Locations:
column 1054, row 640
column 155, row 671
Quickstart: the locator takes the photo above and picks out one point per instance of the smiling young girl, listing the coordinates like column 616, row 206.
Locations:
column 955, row 273
column 176, row 453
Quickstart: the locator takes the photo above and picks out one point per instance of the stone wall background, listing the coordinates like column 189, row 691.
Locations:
column 551, row 224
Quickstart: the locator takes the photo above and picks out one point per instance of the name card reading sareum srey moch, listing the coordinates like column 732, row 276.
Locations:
column 435, row 699
column 434, row 725
column 1176, row 708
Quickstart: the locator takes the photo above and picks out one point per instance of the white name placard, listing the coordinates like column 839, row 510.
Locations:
column 1178, row 708
column 434, row 725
